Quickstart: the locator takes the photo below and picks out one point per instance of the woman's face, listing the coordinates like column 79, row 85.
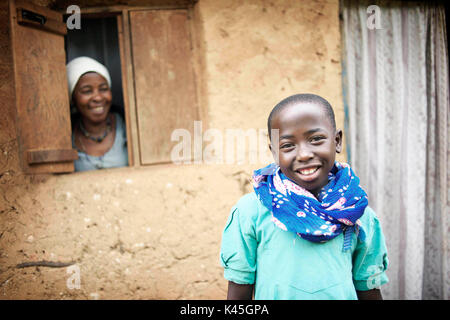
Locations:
column 92, row 97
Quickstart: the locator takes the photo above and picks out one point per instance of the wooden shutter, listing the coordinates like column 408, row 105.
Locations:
column 164, row 80
column 42, row 102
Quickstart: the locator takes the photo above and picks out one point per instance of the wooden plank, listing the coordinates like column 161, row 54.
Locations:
column 121, row 8
column 42, row 102
column 164, row 80
column 41, row 10
column 128, row 87
column 45, row 156
column 199, row 65
column 36, row 19
column 87, row 7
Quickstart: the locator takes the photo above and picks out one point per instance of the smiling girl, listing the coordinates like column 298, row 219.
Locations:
column 307, row 231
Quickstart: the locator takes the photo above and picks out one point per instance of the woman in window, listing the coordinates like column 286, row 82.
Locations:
column 99, row 134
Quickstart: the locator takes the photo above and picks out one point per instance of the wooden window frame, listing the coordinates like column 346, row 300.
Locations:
column 41, row 98
column 59, row 158
column 127, row 68
column 55, row 157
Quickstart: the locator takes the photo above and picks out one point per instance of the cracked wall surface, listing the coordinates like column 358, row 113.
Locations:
column 154, row 232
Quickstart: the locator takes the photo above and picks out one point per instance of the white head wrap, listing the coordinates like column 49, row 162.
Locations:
column 79, row 66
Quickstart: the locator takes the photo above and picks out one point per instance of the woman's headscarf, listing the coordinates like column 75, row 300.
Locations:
column 81, row 65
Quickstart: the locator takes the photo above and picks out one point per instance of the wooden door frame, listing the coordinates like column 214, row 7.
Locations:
column 128, row 91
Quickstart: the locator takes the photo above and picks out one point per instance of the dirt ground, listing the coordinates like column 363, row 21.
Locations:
column 133, row 233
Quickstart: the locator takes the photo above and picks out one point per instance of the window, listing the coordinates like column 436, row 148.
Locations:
column 156, row 78
column 42, row 106
column 98, row 39
column 164, row 79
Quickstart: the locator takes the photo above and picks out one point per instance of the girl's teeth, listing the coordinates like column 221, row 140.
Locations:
column 308, row 171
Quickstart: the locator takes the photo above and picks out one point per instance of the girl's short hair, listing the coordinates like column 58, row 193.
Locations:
column 302, row 98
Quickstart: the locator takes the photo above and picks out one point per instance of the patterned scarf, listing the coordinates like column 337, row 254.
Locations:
column 339, row 205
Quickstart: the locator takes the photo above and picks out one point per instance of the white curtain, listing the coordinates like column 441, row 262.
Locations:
column 396, row 96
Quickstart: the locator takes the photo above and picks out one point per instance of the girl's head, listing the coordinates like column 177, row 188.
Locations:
column 89, row 88
column 307, row 139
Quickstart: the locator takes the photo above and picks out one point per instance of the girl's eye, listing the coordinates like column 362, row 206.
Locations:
column 286, row 146
column 317, row 138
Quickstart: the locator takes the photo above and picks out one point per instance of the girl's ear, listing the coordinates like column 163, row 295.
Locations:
column 338, row 140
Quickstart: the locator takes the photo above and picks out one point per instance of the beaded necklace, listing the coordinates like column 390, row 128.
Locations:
column 96, row 139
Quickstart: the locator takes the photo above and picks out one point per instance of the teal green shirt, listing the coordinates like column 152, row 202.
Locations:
column 284, row 266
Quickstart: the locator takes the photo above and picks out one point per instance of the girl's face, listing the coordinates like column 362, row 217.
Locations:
column 92, row 97
column 307, row 144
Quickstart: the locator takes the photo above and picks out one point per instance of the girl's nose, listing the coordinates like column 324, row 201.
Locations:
column 304, row 154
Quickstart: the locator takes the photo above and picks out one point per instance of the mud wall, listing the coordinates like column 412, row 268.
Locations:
column 154, row 232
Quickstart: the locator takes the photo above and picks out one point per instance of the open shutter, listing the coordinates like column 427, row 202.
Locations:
column 165, row 88
column 42, row 102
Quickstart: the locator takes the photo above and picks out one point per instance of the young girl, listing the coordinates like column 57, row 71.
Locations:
column 307, row 231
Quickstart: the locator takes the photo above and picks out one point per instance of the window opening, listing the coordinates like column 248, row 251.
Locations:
column 98, row 39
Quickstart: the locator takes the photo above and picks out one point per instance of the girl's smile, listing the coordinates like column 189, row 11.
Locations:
column 309, row 174
column 307, row 144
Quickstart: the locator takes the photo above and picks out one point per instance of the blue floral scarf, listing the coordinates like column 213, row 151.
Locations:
column 338, row 208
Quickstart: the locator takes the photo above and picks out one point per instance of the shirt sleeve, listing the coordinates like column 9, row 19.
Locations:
column 238, row 249
column 370, row 260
